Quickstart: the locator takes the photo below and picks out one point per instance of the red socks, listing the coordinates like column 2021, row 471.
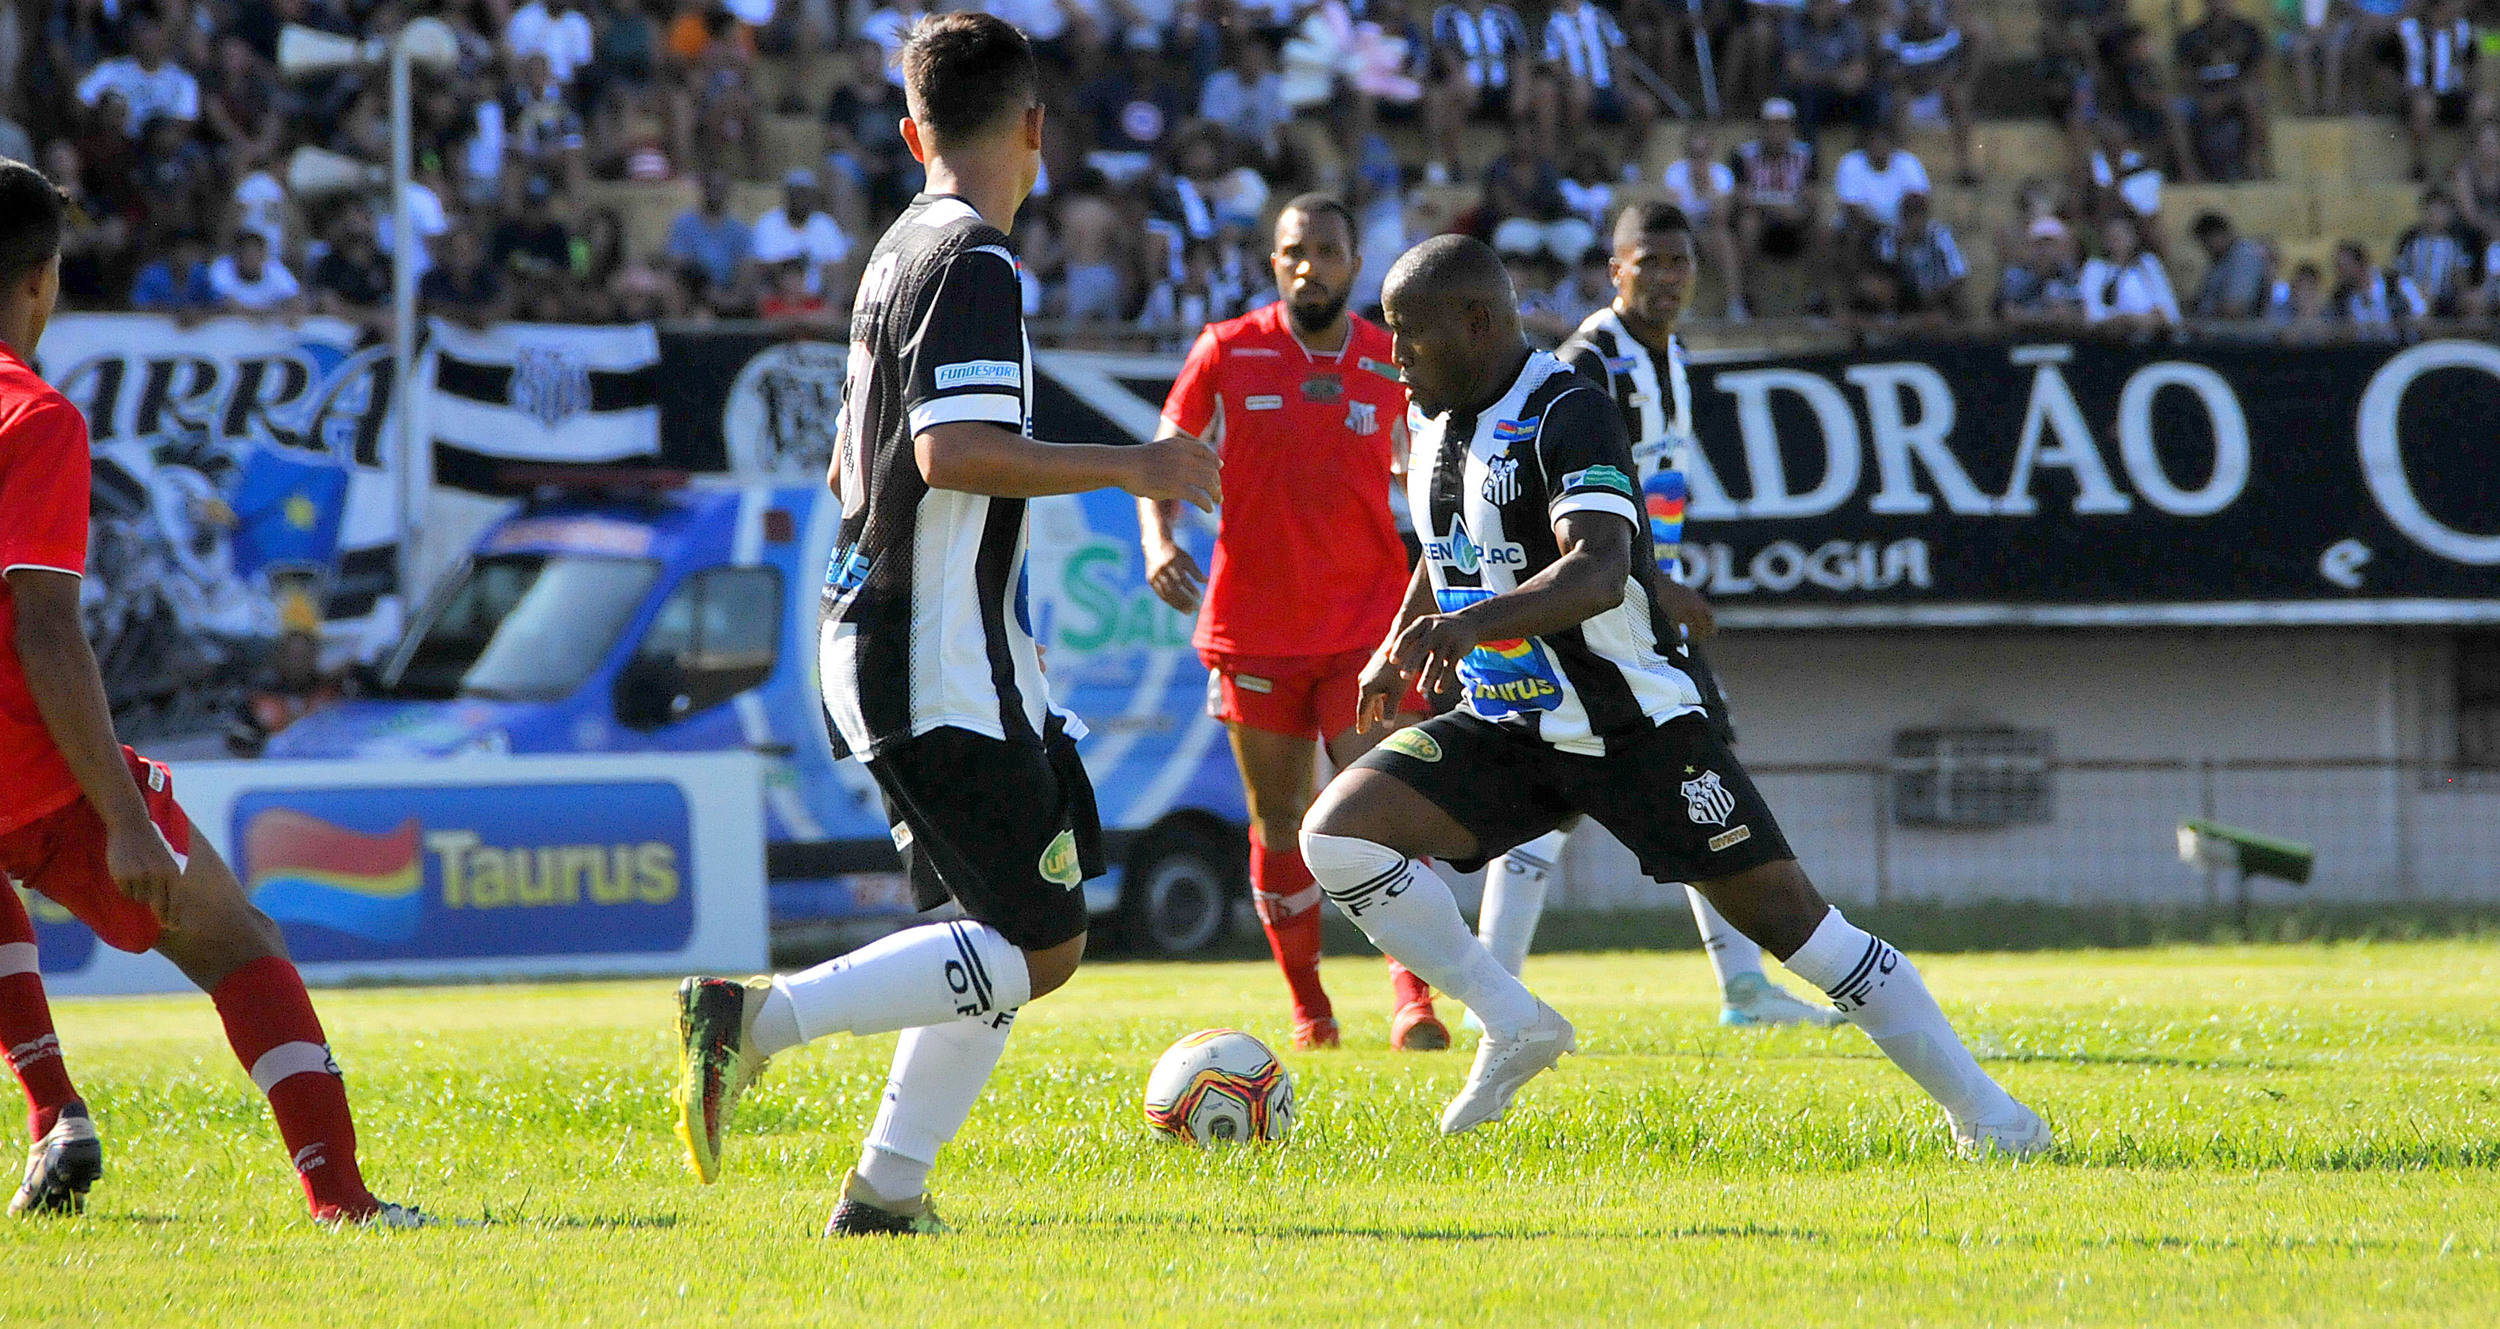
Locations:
column 1412, row 991
column 275, row 1034
column 1288, row 899
column 26, row 1035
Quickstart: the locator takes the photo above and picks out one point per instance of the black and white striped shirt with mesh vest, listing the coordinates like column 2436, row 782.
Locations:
column 1656, row 401
column 1488, row 486
column 924, row 621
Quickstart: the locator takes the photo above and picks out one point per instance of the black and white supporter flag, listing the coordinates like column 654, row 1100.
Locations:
column 541, row 392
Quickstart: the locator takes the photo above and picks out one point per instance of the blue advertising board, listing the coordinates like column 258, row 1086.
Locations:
column 469, row 870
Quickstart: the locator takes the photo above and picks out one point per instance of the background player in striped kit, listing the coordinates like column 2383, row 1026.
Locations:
column 1577, row 702
column 1309, row 415
column 929, row 669
column 1629, row 348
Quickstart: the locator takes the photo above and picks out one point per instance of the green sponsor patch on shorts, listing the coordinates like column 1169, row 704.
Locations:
column 1413, row 743
column 1059, row 862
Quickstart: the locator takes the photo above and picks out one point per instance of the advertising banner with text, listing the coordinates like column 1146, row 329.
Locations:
column 2003, row 483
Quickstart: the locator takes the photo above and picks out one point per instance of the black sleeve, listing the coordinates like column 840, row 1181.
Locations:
column 1584, row 359
column 1586, row 457
column 966, row 361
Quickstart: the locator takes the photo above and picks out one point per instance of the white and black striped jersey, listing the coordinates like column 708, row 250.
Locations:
column 1656, row 400
column 924, row 621
column 1485, row 41
column 1488, row 486
column 1583, row 41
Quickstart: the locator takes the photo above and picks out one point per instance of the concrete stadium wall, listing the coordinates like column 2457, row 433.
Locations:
column 2143, row 712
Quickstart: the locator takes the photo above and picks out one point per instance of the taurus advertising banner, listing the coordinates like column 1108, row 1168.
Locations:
column 2018, row 483
column 516, row 866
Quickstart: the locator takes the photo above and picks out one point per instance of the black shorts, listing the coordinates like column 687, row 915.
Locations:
column 1492, row 103
column 1006, row 830
column 1676, row 797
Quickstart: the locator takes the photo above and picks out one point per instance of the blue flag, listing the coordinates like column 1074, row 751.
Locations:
column 287, row 512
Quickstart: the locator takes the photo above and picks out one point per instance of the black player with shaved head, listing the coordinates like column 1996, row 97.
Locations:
column 1576, row 700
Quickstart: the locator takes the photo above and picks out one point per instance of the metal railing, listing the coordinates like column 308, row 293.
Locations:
column 2384, row 831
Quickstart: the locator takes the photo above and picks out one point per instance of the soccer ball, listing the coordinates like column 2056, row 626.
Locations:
column 1220, row 1086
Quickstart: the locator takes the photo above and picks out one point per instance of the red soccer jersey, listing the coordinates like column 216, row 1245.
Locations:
column 43, row 494
column 1307, row 557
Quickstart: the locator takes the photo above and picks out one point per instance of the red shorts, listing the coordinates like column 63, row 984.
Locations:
column 1302, row 696
column 62, row 855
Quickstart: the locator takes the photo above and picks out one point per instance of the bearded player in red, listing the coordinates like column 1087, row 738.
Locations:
column 1301, row 400
column 92, row 824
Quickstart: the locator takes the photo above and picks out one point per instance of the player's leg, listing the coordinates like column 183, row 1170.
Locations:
column 1747, row 996
column 1414, row 1026
column 1363, row 840
column 1009, row 832
column 66, row 1157
column 237, row 955
column 1276, row 785
column 1880, row 991
column 1514, row 899
column 1713, row 829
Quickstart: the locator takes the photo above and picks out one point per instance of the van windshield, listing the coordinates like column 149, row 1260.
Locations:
column 519, row 627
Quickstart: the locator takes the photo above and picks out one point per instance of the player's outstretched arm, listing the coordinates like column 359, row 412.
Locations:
column 1586, row 581
column 978, row 457
column 1382, row 684
column 61, row 674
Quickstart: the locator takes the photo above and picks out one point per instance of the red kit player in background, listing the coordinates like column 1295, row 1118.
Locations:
column 92, row 824
column 1301, row 400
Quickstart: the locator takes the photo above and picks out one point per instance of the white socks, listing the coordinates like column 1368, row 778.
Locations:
column 1409, row 913
column 1731, row 952
column 936, row 974
column 1880, row 991
column 938, row 1073
column 1514, row 898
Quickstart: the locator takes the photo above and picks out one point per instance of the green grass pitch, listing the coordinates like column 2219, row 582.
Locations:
column 2268, row 1135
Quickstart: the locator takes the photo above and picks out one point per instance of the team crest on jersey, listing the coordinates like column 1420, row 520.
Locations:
column 1515, row 431
column 1501, row 480
column 1707, row 801
column 1362, row 418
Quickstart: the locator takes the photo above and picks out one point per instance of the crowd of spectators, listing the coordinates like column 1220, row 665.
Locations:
column 1174, row 123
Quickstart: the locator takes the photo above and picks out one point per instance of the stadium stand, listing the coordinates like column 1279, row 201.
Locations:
column 571, row 140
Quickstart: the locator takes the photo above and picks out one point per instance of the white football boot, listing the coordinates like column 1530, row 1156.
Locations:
column 1754, row 999
column 1503, row 1065
column 2022, row 1135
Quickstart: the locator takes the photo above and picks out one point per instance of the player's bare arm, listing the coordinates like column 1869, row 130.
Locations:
column 1585, row 582
column 981, row 458
column 1172, row 571
column 69, row 692
column 1683, row 604
column 1383, row 684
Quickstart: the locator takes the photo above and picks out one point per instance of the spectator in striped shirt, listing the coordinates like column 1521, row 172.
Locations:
column 2438, row 50
column 1919, row 272
column 2373, row 301
column 1775, row 193
column 2439, row 256
column 1584, row 51
column 1482, row 69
